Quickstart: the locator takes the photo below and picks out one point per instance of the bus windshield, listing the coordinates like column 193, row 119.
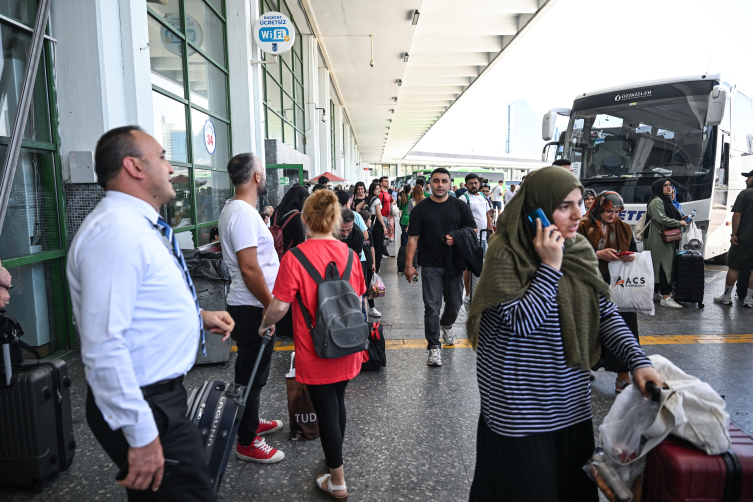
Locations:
column 624, row 140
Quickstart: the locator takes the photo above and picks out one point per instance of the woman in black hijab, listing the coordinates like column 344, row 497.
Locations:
column 663, row 215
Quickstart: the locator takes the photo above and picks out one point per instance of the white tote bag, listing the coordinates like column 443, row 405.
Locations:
column 632, row 286
column 692, row 232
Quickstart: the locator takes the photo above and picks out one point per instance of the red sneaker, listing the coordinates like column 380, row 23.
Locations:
column 267, row 427
column 259, row 451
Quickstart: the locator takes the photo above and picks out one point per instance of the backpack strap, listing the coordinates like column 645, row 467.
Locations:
column 307, row 265
column 467, row 199
column 349, row 266
column 294, row 212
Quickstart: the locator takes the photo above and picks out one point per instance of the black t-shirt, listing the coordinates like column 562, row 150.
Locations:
column 431, row 220
column 744, row 206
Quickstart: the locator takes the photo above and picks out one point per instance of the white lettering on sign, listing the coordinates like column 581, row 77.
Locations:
column 632, row 95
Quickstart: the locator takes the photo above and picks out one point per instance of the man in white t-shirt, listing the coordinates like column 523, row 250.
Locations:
column 482, row 213
column 497, row 194
column 510, row 194
column 249, row 253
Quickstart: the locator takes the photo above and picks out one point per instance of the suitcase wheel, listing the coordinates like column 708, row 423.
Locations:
column 701, row 305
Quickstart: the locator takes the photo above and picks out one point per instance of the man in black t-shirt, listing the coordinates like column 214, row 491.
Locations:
column 430, row 224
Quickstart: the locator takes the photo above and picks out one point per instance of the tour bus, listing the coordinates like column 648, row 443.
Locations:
column 698, row 131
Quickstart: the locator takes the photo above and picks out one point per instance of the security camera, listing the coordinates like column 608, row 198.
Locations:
column 371, row 63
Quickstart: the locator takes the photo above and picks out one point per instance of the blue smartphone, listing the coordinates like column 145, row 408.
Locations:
column 537, row 214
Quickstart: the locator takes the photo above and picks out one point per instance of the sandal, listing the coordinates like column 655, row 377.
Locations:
column 330, row 488
column 620, row 385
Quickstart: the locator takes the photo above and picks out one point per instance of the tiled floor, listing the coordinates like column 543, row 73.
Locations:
column 411, row 429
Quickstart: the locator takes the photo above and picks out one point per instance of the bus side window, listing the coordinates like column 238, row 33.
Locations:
column 724, row 167
column 743, row 115
column 726, row 124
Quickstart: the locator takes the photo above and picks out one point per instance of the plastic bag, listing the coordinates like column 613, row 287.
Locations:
column 632, row 286
column 692, row 233
column 620, row 460
column 376, row 288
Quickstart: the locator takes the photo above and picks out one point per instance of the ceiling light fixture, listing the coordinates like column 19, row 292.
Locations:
column 392, row 111
column 399, row 82
column 405, row 57
column 416, row 14
column 394, row 99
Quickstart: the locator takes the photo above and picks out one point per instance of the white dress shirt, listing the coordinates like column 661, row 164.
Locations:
column 135, row 314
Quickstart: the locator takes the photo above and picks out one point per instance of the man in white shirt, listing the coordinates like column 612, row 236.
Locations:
column 249, row 252
column 497, row 194
column 139, row 323
column 482, row 213
column 510, row 193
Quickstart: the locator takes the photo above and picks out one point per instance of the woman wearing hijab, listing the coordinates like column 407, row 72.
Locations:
column 663, row 215
column 538, row 318
column 588, row 198
column 609, row 235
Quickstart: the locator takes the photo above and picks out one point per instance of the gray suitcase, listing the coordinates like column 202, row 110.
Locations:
column 36, row 425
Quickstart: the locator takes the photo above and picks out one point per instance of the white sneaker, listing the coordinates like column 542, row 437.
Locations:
column 374, row 312
column 447, row 337
column 726, row 299
column 435, row 357
column 748, row 302
column 657, row 297
column 669, row 302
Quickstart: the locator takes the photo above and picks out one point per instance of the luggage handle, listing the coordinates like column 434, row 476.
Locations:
column 242, row 401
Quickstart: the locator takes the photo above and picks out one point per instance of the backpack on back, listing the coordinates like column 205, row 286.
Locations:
column 276, row 231
column 639, row 230
column 340, row 328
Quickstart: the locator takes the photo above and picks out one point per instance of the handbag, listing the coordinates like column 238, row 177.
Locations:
column 669, row 235
column 304, row 425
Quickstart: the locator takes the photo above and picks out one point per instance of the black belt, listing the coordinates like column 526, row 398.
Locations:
column 161, row 387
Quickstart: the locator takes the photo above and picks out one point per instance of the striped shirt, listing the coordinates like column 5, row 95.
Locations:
column 525, row 384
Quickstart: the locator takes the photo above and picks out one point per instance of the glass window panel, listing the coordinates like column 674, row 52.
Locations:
column 15, row 45
column 289, row 135
column 170, row 126
column 23, row 10
column 743, row 115
column 212, row 191
column 205, row 233
column 273, row 95
column 299, row 122
column 287, row 80
column 177, row 212
column 300, row 142
column 217, row 4
column 166, row 58
column 209, row 149
column 208, row 84
column 269, row 6
column 274, row 126
column 287, row 110
column 31, row 218
column 205, row 29
column 38, row 304
column 185, row 238
column 299, row 98
column 288, row 58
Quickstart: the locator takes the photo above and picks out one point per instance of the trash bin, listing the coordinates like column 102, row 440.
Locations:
column 211, row 281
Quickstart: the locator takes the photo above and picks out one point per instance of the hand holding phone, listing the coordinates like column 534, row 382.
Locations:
column 625, row 253
column 549, row 245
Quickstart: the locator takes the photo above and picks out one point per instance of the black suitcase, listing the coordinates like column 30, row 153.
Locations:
column 377, row 352
column 401, row 259
column 689, row 277
column 36, row 425
column 216, row 408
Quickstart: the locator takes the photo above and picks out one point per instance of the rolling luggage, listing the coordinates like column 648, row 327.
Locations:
column 377, row 352
column 216, row 408
column 36, row 425
column 401, row 259
column 677, row 472
column 689, row 277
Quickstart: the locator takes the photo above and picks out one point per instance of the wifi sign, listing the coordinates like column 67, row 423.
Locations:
column 274, row 33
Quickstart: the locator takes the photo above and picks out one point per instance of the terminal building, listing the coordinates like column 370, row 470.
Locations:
column 362, row 84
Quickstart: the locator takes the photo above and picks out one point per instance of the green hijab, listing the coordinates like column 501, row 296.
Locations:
column 511, row 263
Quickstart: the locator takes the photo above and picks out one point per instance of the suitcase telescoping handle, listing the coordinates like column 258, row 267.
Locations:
column 242, row 402
column 6, row 362
column 654, row 391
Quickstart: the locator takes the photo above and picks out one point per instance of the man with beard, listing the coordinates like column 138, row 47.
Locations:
column 741, row 252
column 249, row 252
column 481, row 213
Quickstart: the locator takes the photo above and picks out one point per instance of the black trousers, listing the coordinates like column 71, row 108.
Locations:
column 329, row 405
column 246, row 335
column 541, row 467
column 378, row 233
column 664, row 287
column 367, row 275
column 180, row 439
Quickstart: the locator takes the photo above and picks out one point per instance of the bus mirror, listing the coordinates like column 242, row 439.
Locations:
column 550, row 121
column 717, row 102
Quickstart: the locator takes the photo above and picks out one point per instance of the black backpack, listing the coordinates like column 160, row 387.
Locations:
column 340, row 328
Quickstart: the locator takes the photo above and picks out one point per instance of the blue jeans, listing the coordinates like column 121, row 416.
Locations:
column 435, row 286
column 403, row 235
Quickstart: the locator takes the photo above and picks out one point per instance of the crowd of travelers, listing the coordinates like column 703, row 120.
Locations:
column 540, row 318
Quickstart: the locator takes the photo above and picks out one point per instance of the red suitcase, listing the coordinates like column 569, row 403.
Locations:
column 677, row 471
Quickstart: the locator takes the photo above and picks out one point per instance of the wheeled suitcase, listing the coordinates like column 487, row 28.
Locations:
column 216, row 408
column 401, row 259
column 377, row 352
column 677, row 471
column 36, row 425
column 689, row 277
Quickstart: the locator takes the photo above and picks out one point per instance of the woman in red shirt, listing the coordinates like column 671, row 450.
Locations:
column 326, row 379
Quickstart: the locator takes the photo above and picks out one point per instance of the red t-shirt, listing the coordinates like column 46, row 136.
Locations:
column 293, row 278
column 386, row 199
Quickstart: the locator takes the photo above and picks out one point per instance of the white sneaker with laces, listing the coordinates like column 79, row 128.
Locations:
column 435, row 357
column 748, row 302
column 374, row 312
column 725, row 299
column 657, row 297
column 670, row 303
column 447, row 337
